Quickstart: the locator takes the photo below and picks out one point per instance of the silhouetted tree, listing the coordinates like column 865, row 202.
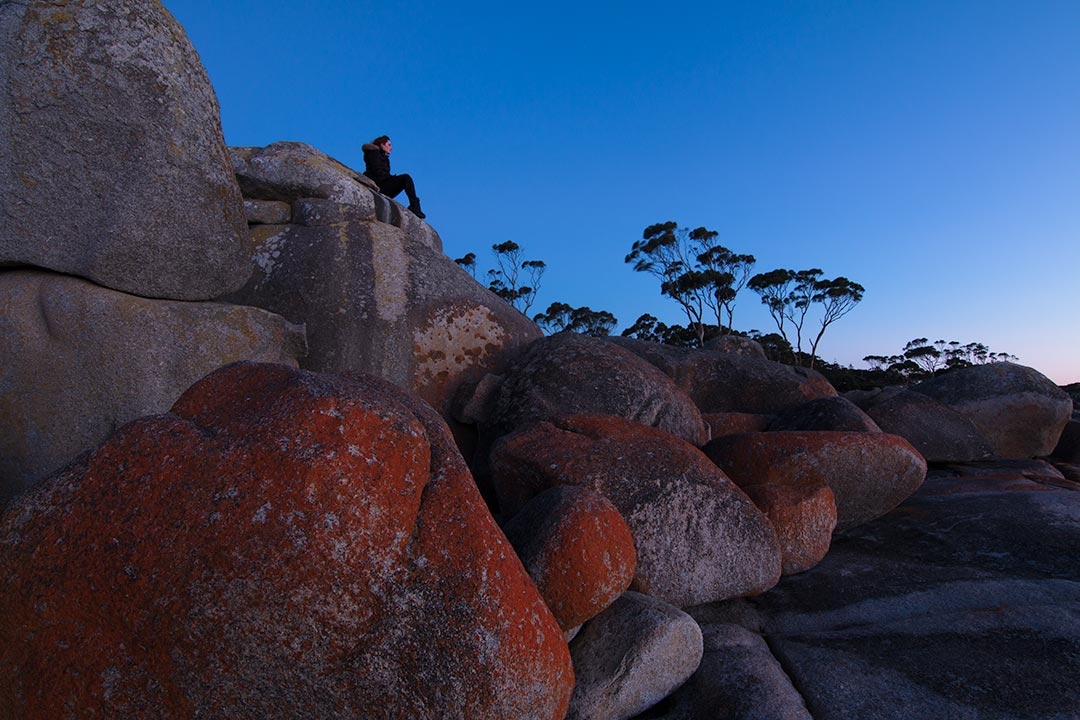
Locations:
column 693, row 270
column 791, row 295
column 561, row 317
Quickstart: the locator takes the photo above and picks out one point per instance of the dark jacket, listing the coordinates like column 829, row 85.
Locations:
column 376, row 163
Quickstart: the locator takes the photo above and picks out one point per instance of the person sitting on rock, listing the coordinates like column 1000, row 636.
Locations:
column 377, row 167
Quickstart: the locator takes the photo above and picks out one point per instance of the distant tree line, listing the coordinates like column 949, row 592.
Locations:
column 704, row 278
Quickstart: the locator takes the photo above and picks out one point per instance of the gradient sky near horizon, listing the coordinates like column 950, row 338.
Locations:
column 929, row 151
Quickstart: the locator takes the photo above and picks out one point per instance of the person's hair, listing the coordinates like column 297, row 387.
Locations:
column 380, row 140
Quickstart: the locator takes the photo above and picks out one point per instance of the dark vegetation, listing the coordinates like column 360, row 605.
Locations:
column 704, row 279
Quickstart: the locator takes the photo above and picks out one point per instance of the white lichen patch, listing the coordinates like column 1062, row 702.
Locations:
column 269, row 252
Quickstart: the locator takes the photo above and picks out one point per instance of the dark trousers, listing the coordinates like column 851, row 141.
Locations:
column 394, row 184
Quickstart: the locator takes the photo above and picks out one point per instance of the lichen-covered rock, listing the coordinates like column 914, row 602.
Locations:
column 281, row 543
column 1016, row 408
column 112, row 162
column 577, row 549
column 375, row 300
column 698, row 537
column 568, row 373
column 734, row 423
column 831, row 413
column 869, row 473
column 79, row 360
column 632, row 656
column 720, row 381
column 804, row 517
column 937, row 431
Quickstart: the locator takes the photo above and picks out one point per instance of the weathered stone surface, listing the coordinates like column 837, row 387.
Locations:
column 961, row 603
column 568, row 373
column 112, row 162
column 698, row 537
column 376, row 301
column 804, row 517
column 577, row 549
column 79, row 360
column 1068, row 446
column 869, row 473
column 289, row 171
column 738, row 679
column 632, row 656
column 1019, row 410
column 938, row 432
column 735, row 344
column 267, row 212
column 831, row 413
column 298, row 173
column 732, row 382
column 282, row 542
column 733, row 423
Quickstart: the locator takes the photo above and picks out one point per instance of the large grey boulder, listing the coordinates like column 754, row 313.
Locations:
column 869, row 473
column 78, row 360
column 1018, row 409
column 376, row 299
column 699, row 538
column 568, row 373
column 738, row 679
column 112, row 162
column 630, row 657
column 937, row 431
column 719, row 381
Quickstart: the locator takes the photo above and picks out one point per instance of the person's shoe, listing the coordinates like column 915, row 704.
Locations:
column 414, row 208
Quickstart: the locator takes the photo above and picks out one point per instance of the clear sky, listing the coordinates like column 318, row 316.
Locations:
column 929, row 151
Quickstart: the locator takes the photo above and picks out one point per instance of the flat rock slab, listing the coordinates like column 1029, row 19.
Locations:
column 964, row 602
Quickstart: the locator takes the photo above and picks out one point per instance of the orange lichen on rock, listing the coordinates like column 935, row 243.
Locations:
column 282, row 542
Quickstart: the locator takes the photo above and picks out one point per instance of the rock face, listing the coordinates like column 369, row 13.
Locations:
column 831, row 413
column 577, row 549
column 938, row 432
column 631, row 656
column 804, row 516
column 738, row 678
column 112, row 162
column 375, row 297
column 961, row 603
column 567, row 373
column 698, row 537
column 721, row 382
column 280, row 540
column 869, row 473
column 79, row 360
column 1019, row 410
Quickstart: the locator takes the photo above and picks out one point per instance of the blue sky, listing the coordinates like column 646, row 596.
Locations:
column 928, row 150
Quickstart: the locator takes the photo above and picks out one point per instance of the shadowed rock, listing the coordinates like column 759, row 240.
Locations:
column 831, row 413
column 568, row 373
column 577, row 549
column 631, row 656
column 720, row 382
column 869, row 473
column 1017, row 409
column 112, row 162
column 79, row 360
column 282, row 542
column 937, row 431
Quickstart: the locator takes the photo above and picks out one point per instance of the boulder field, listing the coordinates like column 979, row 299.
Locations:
column 265, row 451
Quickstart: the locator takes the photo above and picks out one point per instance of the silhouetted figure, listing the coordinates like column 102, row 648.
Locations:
column 377, row 167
